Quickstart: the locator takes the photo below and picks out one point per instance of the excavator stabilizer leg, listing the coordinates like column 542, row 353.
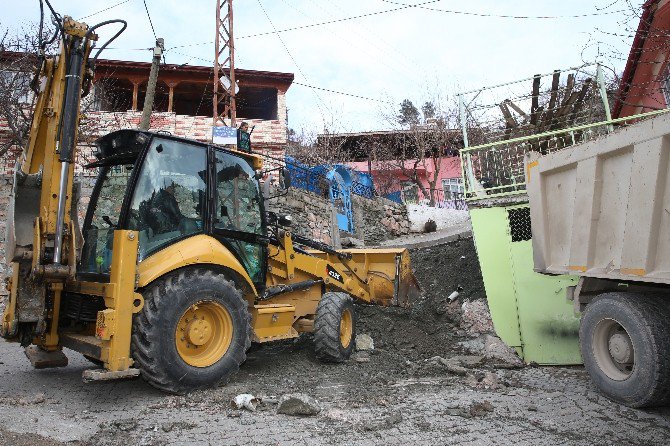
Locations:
column 42, row 359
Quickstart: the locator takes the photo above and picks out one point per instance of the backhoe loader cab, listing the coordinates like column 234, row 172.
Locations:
column 168, row 190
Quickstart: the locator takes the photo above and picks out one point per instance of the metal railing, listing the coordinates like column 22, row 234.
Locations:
column 498, row 168
column 448, row 200
column 315, row 180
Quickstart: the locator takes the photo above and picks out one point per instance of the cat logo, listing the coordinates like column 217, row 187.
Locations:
column 334, row 274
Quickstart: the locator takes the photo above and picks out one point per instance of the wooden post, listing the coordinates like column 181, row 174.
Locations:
column 151, row 86
column 136, row 87
column 170, row 97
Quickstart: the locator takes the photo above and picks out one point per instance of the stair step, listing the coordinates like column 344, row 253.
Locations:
column 84, row 344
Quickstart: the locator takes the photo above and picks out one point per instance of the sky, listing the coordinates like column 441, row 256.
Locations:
column 375, row 53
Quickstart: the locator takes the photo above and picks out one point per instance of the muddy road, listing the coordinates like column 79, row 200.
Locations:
column 418, row 386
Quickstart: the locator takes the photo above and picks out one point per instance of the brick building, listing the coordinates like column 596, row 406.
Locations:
column 182, row 106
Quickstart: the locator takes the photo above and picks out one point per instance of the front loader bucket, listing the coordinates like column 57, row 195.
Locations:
column 390, row 277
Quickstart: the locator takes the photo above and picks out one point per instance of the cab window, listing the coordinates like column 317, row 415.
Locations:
column 170, row 194
column 238, row 210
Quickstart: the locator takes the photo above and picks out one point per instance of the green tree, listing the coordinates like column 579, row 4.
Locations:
column 428, row 110
column 408, row 114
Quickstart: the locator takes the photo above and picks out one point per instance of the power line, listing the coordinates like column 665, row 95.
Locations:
column 303, row 85
column 103, row 10
column 149, row 16
column 504, row 16
column 312, row 25
column 343, row 93
column 345, row 19
column 294, row 61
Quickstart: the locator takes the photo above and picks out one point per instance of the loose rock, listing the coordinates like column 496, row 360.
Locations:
column 298, row 404
column 479, row 409
column 245, row 401
column 495, row 348
column 364, row 342
column 476, row 318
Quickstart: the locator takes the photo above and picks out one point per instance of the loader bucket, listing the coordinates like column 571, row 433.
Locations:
column 390, row 277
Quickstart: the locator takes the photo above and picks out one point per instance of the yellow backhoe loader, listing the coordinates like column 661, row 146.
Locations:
column 178, row 267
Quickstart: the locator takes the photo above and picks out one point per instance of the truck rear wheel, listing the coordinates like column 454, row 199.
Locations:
column 623, row 339
column 334, row 327
column 193, row 331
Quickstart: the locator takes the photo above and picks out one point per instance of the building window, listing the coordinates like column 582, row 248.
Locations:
column 453, row 188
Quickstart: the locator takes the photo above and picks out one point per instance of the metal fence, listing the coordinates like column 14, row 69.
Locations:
column 315, row 179
column 544, row 113
column 450, row 200
column 499, row 168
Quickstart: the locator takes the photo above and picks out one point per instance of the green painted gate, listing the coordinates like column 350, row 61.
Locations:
column 530, row 311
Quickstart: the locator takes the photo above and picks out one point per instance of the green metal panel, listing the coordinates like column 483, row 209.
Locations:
column 489, row 227
column 549, row 325
column 530, row 311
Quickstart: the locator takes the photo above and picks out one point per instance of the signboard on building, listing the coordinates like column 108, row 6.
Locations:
column 224, row 135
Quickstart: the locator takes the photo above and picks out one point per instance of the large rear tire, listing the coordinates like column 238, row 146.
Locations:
column 624, row 340
column 192, row 333
column 334, row 327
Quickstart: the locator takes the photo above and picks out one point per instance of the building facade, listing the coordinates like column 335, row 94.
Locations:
column 645, row 83
column 183, row 103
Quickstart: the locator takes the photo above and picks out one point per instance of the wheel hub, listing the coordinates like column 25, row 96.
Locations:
column 204, row 333
column 199, row 332
column 613, row 349
column 346, row 328
column 621, row 348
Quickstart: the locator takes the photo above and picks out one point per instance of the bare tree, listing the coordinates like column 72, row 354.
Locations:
column 21, row 55
column 18, row 63
column 326, row 149
column 418, row 152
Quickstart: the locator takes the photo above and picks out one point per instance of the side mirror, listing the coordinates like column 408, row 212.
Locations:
column 285, row 220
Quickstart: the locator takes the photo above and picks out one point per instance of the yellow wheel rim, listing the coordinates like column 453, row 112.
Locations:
column 204, row 333
column 346, row 328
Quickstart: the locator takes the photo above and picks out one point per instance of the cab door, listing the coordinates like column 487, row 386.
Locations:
column 238, row 219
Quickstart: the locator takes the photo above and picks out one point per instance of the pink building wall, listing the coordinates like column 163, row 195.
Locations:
column 391, row 179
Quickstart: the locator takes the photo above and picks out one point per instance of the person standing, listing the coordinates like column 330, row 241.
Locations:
column 244, row 138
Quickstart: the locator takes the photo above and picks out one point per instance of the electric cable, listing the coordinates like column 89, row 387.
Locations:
column 504, row 16
column 149, row 16
column 106, row 9
column 319, row 100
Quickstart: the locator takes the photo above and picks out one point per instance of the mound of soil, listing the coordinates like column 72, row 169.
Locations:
column 430, row 327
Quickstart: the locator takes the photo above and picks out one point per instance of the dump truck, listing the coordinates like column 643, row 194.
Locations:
column 600, row 211
column 178, row 267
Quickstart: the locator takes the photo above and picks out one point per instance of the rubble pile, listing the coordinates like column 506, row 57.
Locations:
column 395, row 219
column 434, row 326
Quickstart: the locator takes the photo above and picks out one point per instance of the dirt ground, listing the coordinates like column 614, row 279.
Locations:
column 403, row 392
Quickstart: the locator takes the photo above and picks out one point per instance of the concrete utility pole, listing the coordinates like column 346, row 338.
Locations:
column 224, row 65
column 151, row 86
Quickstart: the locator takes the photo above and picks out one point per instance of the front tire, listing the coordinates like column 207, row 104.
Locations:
column 334, row 327
column 192, row 333
column 623, row 339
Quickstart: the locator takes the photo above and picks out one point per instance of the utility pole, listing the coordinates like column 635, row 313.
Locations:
column 224, row 65
column 151, row 86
